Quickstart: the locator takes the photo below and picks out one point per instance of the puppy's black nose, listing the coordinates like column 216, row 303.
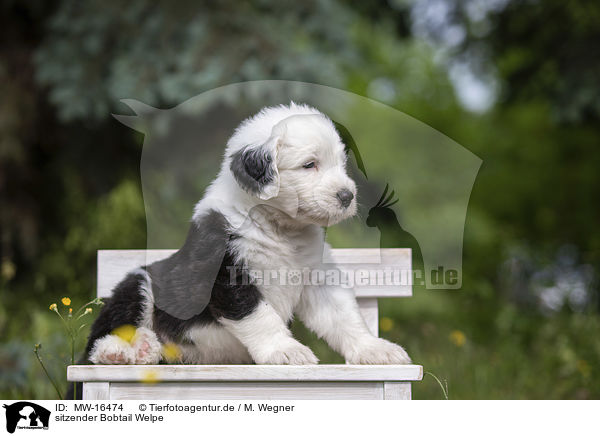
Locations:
column 345, row 197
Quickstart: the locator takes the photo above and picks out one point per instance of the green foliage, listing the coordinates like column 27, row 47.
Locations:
column 162, row 54
column 22, row 376
column 512, row 355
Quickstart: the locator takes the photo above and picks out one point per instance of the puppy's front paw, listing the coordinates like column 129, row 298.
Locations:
column 377, row 351
column 288, row 353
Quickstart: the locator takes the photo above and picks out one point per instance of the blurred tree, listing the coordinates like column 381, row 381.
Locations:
column 22, row 110
column 163, row 53
column 51, row 173
column 546, row 51
column 545, row 58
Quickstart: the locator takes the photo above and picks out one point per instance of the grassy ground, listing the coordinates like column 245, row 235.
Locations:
column 511, row 355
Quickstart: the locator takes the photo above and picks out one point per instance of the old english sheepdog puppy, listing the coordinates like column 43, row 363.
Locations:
column 282, row 180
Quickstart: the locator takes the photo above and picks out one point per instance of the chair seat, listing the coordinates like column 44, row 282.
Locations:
column 205, row 373
column 245, row 382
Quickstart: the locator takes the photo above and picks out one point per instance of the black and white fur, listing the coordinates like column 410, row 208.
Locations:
column 282, row 180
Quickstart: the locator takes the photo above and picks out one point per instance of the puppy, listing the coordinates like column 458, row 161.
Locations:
column 282, row 180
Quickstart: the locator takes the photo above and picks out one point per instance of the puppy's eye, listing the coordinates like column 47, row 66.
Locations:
column 309, row 165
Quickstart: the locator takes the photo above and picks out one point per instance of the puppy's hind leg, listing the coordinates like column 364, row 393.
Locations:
column 146, row 346
column 143, row 348
column 112, row 350
column 122, row 334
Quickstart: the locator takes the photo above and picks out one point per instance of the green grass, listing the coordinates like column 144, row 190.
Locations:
column 512, row 355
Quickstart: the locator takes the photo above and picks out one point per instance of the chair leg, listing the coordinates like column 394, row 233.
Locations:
column 397, row 391
column 96, row 391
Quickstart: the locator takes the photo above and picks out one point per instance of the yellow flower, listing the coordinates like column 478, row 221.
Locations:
column 386, row 324
column 88, row 310
column 458, row 338
column 66, row 301
column 53, row 306
column 125, row 332
column 70, row 311
column 171, row 352
column 150, row 376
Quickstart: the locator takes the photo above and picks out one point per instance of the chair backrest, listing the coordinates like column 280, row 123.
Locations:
column 376, row 273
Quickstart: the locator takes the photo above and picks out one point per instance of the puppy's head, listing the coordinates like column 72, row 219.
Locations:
column 293, row 159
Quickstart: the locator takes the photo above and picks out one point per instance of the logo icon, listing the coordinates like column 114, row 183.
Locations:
column 26, row 415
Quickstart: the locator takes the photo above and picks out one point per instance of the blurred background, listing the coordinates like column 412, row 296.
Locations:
column 514, row 82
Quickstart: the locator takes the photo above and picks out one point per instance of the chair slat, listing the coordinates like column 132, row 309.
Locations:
column 377, row 273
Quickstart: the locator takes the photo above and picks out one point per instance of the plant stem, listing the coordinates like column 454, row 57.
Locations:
column 444, row 390
column 83, row 307
column 73, row 363
column 96, row 301
column 69, row 322
column 35, row 351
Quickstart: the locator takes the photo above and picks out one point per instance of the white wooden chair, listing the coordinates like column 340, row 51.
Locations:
column 186, row 382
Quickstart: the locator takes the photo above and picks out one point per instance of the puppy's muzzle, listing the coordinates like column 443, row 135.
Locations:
column 345, row 196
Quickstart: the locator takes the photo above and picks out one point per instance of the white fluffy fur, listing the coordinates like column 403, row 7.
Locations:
column 285, row 232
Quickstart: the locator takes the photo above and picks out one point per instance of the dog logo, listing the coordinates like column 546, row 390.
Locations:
column 26, row 415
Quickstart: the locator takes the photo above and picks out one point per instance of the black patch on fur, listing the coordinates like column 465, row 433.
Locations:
column 197, row 278
column 231, row 301
column 252, row 168
column 182, row 283
column 194, row 282
column 123, row 307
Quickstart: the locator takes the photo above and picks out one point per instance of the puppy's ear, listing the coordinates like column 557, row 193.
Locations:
column 255, row 168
